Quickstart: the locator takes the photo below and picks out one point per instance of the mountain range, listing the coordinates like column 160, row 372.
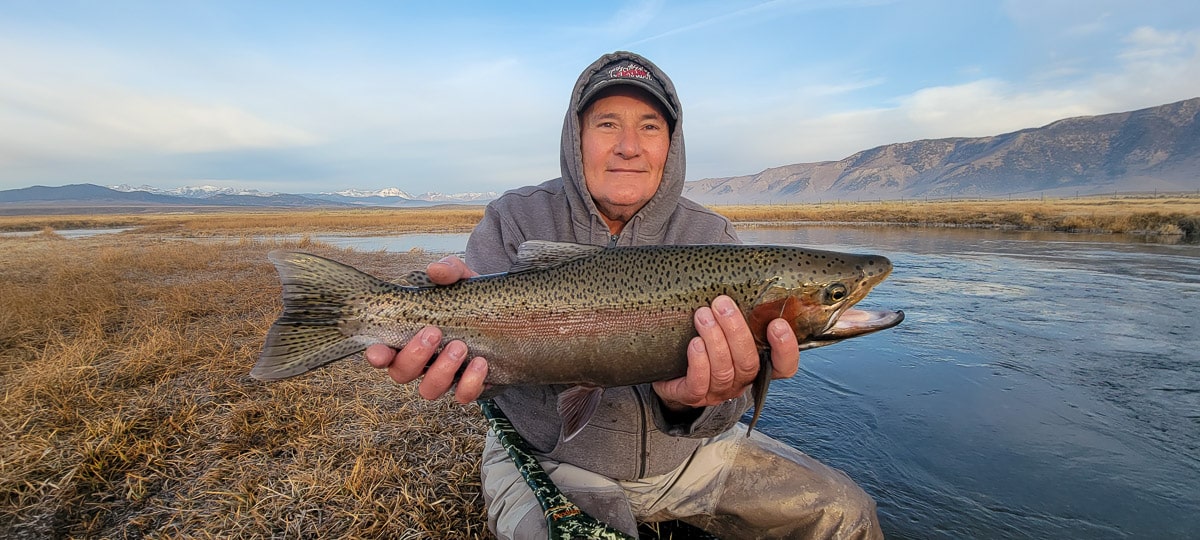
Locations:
column 93, row 196
column 1147, row 150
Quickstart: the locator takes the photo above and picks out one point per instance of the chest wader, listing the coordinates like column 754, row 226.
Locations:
column 564, row 520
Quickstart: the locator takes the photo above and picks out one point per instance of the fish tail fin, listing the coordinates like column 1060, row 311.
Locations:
column 317, row 303
column 761, row 382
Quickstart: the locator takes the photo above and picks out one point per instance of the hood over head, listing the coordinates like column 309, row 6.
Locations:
column 612, row 69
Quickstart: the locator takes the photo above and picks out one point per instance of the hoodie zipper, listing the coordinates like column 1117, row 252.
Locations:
column 612, row 240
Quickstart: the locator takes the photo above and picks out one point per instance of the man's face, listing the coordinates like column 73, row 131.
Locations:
column 625, row 139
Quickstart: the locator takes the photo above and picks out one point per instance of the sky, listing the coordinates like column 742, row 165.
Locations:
column 452, row 97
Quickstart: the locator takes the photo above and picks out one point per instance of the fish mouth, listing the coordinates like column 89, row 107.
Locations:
column 852, row 323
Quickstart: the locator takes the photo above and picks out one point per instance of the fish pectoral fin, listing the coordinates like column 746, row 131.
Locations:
column 762, row 381
column 576, row 406
column 542, row 254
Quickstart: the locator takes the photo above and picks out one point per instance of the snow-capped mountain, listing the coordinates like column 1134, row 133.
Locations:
column 399, row 197
column 397, row 193
column 195, row 192
column 459, row 197
column 379, row 197
column 386, row 192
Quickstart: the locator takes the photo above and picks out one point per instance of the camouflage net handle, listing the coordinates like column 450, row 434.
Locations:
column 564, row 519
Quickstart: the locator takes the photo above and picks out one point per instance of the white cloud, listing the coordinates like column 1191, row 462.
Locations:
column 1154, row 68
column 52, row 111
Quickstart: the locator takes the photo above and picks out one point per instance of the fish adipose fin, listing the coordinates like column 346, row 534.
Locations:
column 576, row 406
column 317, row 293
column 542, row 254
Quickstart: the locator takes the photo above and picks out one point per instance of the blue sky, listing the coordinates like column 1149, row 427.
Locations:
column 469, row 96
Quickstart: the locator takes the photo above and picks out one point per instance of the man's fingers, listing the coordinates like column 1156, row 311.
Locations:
column 379, row 355
column 743, row 353
column 721, row 369
column 785, row 351
column 699, row 373
column 470, row 385
column 448, row 271
column 411, row 361
column 440, row 376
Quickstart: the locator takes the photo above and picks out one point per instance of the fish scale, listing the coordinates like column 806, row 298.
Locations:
column 570, row 314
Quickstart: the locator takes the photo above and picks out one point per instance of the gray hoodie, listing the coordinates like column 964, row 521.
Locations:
column 630, row 435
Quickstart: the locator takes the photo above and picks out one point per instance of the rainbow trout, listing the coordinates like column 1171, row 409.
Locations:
column 585, row 316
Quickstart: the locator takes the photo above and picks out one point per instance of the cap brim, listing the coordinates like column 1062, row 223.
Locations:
column 656, row 92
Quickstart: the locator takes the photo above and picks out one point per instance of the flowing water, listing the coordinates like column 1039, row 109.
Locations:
column 1041, row 386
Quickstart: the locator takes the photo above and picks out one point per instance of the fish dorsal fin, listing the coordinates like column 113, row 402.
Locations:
column 576, row 405
column 417, row 278
column 542, row 254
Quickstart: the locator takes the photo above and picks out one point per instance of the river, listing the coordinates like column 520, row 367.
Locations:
column 1042, row 385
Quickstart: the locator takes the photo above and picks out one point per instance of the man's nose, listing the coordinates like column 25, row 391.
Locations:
column 628, row 144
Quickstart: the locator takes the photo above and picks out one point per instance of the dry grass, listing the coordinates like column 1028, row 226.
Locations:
column 1178, row 215
column 127, row 410
column 266, row 221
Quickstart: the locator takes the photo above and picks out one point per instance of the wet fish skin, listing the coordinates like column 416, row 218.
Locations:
column 572, row 314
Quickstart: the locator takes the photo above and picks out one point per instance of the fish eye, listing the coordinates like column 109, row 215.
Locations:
column 835, row 293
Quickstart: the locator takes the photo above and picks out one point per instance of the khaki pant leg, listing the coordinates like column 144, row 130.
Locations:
column 513, row 511
column 756, row 487
column 775, row 491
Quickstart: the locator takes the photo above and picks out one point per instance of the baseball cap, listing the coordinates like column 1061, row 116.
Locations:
column 630, row 72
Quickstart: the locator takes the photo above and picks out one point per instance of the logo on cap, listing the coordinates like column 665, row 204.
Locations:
column 626, row 72
column 632, row 71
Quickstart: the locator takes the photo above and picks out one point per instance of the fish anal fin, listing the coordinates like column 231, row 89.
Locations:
column 761, row 382
column 576, row 405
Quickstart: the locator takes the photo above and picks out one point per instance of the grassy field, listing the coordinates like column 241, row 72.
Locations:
column 127, row 410
column 1145, row 215
column 228, row 222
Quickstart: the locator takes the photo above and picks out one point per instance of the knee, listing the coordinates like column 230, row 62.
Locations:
column 850, row 513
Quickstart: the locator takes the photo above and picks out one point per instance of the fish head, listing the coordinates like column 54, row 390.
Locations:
column 815, row 291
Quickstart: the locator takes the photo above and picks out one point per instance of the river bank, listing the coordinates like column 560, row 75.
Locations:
column 1177, row 215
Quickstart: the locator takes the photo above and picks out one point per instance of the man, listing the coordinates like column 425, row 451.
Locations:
column 661, row 451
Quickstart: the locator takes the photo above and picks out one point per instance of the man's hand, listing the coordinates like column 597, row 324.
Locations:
column 410, row 362
column 723, row 360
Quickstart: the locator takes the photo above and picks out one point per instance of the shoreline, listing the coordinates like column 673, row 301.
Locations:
column 1168, row 215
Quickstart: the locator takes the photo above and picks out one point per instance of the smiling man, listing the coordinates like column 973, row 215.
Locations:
column 625, row 139
column 668, row 450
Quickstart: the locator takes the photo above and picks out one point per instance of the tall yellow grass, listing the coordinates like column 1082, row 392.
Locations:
column 1179, row 215
column 267, row 221
column 1149, row 215
column 127, row 410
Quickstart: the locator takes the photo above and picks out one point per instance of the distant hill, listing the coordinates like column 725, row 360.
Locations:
column 90, row 195
column 1140, row 151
